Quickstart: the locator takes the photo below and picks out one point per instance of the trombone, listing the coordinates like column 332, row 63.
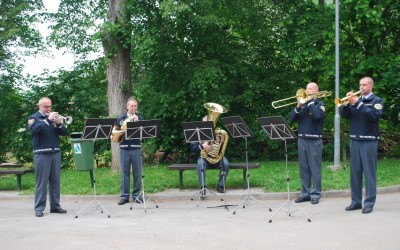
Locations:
column 301, row 96
column 345, row 100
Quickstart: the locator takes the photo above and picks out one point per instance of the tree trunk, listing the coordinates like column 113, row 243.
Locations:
column 118, row 70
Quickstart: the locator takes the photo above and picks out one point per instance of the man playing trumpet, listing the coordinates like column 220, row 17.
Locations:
column 364, row 114
column 46, row 128
column 310, row 116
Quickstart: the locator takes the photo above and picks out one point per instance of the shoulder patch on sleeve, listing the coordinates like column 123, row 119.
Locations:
column 378, row 106
column 31, row 121
column 322, row 108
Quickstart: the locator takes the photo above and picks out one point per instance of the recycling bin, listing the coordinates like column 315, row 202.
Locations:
column 82, row 151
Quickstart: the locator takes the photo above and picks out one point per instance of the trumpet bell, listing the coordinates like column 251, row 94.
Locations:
column 345, row 100
column 68, row 120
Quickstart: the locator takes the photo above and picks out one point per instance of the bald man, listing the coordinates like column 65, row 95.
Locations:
column 364, row 114
column 46, row 128
column 310, row 115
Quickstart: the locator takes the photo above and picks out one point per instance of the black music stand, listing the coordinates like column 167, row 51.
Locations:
column 238, row 128
column 142, row 130
column 198, row 132
column 277, row 128
column 97, row 128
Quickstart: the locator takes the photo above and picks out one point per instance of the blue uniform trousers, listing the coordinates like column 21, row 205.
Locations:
column 310, row 161
column 131, row 159
column 47, row 172
column 202, row 166
column 363, row 160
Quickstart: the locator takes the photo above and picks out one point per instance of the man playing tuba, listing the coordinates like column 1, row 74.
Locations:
column 208, row 158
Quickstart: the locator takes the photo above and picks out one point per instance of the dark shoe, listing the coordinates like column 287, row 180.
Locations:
column 58, row 211
column 314, row 201
column 123, row 201
column 302, row 199
column 221, row 189
column 39, row 213
column 353, row 207
column 367, row 210
column 203, row 193
column 138, row 199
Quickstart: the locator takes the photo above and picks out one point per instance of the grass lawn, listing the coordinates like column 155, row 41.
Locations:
column 271, row 176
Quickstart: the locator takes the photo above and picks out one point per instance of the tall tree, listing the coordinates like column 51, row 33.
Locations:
column 74, row 19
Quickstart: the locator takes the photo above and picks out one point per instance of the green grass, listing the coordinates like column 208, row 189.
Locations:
column 271, row 176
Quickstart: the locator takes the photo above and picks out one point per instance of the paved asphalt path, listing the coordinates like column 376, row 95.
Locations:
column 182, row 223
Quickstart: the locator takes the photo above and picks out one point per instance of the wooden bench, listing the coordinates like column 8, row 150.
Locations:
column 183, row 167
column 14, row 168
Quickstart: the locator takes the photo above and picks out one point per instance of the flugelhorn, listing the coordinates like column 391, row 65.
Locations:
column 67, row 119
column 345, row 100
column 301, row 96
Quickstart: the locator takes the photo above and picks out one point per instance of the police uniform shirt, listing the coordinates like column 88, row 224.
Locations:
column 128, row 144
column 364, row 117
column 310, row 117
column 45, row 133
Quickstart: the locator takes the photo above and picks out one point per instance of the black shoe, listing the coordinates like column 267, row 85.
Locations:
column 123, row 201
column 138, row 199
column 353, row 207
column 302, row 199
column 203, row 193
column 314, row 201
column 39, row 213
column 221, row 189
column 367, row 210
column 58, row 211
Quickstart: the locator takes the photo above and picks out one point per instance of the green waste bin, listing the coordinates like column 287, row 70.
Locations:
column 82, row 151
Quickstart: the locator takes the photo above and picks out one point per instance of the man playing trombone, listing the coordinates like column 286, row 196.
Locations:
column 364, row 114
column 310, row 115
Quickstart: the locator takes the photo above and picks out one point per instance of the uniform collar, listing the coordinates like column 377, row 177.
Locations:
column 368, row 96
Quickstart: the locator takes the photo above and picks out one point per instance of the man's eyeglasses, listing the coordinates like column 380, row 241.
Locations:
column 46, row 106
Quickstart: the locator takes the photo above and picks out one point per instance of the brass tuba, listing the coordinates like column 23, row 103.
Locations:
column 218, row 146
column 118, row 132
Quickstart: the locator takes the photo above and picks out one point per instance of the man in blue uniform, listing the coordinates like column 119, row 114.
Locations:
column 364, row 114
column 203, row 164
column 46, row 128
column 130, row 156
column 310, row 116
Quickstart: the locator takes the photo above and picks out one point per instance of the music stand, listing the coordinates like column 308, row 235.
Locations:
column 198, row 132
column 277, row 128
column 142, row 130
column 96, row 128
column 239, row 129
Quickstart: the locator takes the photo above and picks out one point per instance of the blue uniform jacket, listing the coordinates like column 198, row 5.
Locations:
column 364, row 118
column 311, row 117
column 194, row 147
column 128, row 144
column 45, row 135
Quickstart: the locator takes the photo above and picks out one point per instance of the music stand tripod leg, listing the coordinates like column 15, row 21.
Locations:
column 94, row 201
column 244, row 201
column 203, row 189
column 142, row 194
column 223, row 175
column 289, row 201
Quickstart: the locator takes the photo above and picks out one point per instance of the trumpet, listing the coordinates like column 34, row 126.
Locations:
column 67, row 119
column 345, row 100
column 301, row 96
